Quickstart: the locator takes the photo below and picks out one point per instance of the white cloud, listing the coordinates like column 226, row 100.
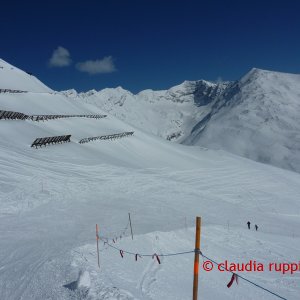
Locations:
column 60, row 58
column 98, row 66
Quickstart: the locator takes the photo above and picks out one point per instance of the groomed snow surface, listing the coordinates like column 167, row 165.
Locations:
column 51, row 198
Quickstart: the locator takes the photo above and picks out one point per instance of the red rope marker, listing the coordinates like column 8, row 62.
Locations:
column 157, row 258
column 233, row 277
column 121, row 253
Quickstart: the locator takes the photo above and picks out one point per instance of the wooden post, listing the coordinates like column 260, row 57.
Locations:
column 97, row 239
column 196, row 261
column 130, row 225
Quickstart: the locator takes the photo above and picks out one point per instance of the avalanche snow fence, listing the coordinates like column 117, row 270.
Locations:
column 52, row 117
column 12, row 115
column 107, row 137
column 51, row 140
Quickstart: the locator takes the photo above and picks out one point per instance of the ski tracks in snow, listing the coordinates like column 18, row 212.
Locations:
column 104, row 285
column 149, row 275
column 101, row 285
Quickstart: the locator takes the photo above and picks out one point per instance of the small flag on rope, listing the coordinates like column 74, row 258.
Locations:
column 233, row 277
column 157, row 258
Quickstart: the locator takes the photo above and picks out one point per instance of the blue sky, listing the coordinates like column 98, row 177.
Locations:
column 148, row 43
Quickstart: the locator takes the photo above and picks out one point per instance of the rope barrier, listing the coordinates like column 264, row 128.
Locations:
column 118, row 235
column 144, row 255
column 249, row 281
column 155, row 255
column 136, row 255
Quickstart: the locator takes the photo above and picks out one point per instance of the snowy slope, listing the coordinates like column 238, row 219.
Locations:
column 258, row 118
column 255, row 117
column 170, row 114
column 15, row 79
column 51, row 199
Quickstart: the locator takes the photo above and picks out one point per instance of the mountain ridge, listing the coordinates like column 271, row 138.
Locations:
column 255, row 117
column 260, row 125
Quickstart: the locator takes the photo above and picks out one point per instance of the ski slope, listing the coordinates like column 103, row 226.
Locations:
column 51, row 198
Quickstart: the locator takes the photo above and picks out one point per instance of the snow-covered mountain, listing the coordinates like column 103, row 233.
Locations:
column 13, row 78
column 170, row 114
column 52, row 197
column 255, row 117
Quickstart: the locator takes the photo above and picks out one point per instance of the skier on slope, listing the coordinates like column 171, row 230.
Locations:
column 256, row 227
column 248, row 223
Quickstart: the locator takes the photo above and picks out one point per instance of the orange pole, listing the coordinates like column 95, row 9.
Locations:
column 196, row 260
column 97, row 239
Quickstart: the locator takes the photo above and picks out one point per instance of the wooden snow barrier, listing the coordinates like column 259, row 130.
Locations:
column 11, row 91
column 12, row 115
column 106, row 137
column 51, row 140
column 53, row 117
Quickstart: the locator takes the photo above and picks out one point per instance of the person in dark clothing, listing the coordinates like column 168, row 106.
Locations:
column 248, row 223
column 256, row 227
